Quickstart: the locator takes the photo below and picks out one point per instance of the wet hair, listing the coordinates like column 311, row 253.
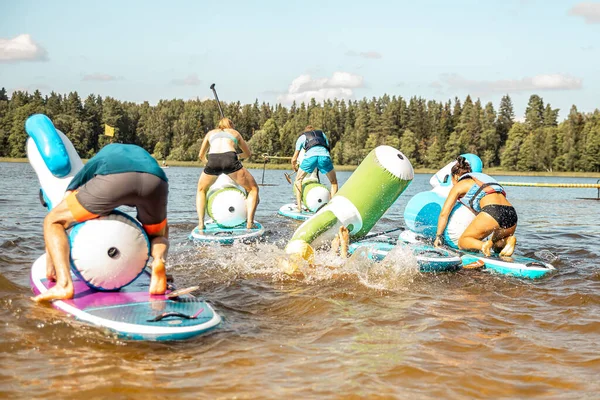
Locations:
column 225, row 123
column 461, row 167
column 309, row 128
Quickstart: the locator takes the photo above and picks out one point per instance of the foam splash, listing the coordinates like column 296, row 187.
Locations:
column 224, row 265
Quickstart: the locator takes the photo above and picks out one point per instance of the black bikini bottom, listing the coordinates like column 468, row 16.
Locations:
column 506, row 216
column 222, row 163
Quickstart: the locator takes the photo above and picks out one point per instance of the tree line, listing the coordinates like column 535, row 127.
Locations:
column 429, row 132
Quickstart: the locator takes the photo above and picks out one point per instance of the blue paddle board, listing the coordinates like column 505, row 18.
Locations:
column 429, row 258
column 132, row 312
column 291, row 211
column 515, row 265
column 214, row 233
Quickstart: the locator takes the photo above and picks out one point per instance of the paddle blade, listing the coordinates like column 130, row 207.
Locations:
column 181, row 292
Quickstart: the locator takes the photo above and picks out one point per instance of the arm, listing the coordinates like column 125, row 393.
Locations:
column 295, row 160
column 246, row 153
column 204, row 149
column 445, row 213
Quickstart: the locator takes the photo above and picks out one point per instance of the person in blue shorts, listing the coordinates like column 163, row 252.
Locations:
column 316, row 147
column 120, row 174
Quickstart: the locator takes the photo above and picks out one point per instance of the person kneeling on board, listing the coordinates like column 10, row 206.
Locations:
column 316, row 146
column 220, row 144
column 484, row 196
column 120, row 174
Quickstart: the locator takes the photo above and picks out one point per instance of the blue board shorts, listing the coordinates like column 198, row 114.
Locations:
column 322, row 162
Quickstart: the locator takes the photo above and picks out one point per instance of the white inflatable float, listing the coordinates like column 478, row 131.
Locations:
column 226, row 207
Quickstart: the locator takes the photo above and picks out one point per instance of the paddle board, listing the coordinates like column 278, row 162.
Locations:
column 291, row 211
column 429, row 258
column 132, row 312
column 516, row 265
column 213, row 233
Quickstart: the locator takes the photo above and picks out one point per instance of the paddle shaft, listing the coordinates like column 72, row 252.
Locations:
column 217, row 98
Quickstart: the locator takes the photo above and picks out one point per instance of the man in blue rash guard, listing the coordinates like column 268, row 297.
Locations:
column 316, row 147
column 120, row 174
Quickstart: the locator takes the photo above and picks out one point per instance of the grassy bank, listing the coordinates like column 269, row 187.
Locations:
column 286, row 166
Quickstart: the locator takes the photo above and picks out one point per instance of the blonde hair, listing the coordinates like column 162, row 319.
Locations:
column 309, row 128
column 225, row 123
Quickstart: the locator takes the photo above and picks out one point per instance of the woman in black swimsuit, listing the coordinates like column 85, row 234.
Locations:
column 486, row 198
column 223, row 159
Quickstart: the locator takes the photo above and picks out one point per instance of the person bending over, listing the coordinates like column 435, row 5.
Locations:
column 120, row 174
column 220, row 144
column 316, row 147
column 487, row 199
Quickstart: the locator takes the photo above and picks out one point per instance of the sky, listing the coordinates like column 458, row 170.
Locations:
column 281, row 51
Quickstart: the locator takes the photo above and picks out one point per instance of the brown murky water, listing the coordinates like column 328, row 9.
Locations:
column 360, row 331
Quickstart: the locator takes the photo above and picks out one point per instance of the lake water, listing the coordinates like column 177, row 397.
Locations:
column 377, row 333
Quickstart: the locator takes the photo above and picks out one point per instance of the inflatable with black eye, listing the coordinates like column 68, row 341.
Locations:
column 226, row 207
column 108, row 257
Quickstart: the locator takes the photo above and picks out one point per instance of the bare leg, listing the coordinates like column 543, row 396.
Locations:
column 480, row 228
column 204, row 183
column 50, row 271
column 244, row 178
column 344, row 241
column 57, row 245
column 298, row 184
column 501, row 238
column 335, row 244
column 333, row 179
column 158, row 249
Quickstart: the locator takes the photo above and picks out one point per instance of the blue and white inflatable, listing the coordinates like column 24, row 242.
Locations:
column 422, row 211
column 107, row 252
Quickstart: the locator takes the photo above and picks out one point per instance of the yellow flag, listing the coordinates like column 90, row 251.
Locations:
column 109, row 130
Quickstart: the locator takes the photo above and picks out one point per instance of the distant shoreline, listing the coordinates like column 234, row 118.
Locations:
column 286, row 166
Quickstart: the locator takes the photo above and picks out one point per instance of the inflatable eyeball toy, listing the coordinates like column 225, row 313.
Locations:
column 227, row 203
column 109, row 252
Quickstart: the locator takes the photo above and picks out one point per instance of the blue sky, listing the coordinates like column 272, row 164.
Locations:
column 285, row 50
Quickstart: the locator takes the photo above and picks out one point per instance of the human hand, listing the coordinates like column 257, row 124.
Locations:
column 439, row 241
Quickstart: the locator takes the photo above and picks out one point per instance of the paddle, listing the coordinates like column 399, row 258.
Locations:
column 181, row 292
column 372, row 235
column 217, row 98
column 288, row 176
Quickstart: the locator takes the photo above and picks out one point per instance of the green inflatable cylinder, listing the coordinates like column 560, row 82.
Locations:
column 373, row 187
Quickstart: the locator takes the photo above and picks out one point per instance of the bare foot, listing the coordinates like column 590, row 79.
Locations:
column 200, row 226
column 487, row 248
column 57, row 292
column 158, row 281
column 509, row 248
column 250, row 225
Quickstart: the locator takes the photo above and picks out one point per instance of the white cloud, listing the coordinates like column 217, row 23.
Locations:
column 21, row 48
column 190, row 80
column 98, row 77
column 536, row 83
column 340, row 85
column 364, row 54
column 589, row 11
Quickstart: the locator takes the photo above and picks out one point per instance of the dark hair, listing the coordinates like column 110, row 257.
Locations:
column 461, row 167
